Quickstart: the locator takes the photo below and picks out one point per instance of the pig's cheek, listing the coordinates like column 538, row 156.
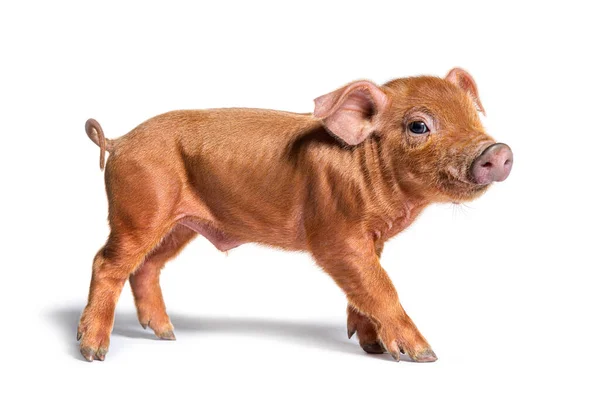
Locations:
column 417, row 142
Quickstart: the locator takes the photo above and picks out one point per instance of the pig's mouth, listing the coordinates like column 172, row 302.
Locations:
column 457, row 185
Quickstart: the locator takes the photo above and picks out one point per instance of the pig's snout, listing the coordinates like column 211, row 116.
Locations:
column 493, row 165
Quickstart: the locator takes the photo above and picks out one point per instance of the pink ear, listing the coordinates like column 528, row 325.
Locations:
column 465, row 82
column 350, row 113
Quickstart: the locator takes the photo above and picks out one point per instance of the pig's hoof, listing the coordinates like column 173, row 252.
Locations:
column 94, row 341
column 167, row 335
column 91, row 354
column 373, row 348
column 367, row 334
column 160, row 324
column 426, row 356
column 164, row 332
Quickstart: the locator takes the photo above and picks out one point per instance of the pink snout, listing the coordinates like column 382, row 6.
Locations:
column 493, row 165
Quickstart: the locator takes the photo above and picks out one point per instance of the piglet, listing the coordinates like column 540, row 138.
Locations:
column 337, row 183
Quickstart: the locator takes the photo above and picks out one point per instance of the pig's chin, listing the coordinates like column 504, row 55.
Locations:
column 459, row 190
column 472, row 194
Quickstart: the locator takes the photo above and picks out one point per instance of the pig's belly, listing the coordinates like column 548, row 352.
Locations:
column 212, row 234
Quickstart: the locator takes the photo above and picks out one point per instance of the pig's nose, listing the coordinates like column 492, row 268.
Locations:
column 493, row 165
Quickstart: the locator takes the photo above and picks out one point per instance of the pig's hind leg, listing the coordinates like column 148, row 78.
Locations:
column 145, row 282
column 143, row 197
column 112, row 266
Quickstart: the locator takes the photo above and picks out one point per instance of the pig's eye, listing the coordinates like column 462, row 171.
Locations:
column 418, row 127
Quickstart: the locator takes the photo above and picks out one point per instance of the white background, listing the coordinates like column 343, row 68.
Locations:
column 505, row 288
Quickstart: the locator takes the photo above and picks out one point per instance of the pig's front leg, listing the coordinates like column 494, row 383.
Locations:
column 365, row 329
column 354, row 265
column 361, row 325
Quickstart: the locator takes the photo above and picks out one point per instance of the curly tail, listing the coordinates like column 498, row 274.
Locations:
column 94, row 131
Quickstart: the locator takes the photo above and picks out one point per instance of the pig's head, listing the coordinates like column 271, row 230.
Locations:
column 429, row 131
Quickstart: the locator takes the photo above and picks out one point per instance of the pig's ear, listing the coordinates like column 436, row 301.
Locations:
column 352, row 112
column 465, row 82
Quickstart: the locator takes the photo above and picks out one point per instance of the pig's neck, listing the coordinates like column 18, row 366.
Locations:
column 394, row 200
